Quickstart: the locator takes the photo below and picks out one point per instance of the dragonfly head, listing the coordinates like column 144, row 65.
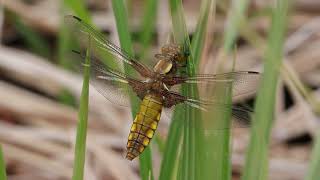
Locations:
column 170, row 59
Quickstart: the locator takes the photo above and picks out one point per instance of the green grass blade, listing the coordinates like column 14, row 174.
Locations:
column 160, row 143
column 235, row 16
column 64, row 45
column 215, row 151
column 314, row 167
column 121, row 17
column 148, row 25
column 216, row 144
column 3, row 174
column 80, row 147
column 256, row 167
column 145, row 160
column 180, row 33
column 171, row 152
column 207, row 8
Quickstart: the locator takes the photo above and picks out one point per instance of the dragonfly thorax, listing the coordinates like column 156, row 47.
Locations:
column 156, row 85
column 163, row 66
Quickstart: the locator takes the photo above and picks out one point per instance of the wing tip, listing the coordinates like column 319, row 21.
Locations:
column 77, row 18
column 253, row 72
column 75, row 51
column 73, row 17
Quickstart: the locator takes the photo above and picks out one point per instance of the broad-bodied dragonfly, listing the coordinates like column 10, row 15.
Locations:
column 154, row 85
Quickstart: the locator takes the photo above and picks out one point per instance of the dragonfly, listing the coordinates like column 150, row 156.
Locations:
column 155, row 85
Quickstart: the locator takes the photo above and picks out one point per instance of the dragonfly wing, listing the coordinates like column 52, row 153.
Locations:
column 114, row 85
column 103, row 49
column 242, row 82
column 240, row 114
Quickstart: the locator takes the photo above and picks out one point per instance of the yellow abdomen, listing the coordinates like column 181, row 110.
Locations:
column 144, row 125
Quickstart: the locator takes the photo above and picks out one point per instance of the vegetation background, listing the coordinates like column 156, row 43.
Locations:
column 46, row 121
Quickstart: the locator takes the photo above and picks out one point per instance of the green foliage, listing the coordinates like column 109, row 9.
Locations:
column 257, row 156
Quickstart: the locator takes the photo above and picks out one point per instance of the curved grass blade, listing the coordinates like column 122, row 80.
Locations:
column 256, row 167
column 121, row 17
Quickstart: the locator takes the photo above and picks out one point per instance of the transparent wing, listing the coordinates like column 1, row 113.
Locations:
column 240, row 114
column 103, row 49
column 212, row 94
column 242, row 83
column 113, row 85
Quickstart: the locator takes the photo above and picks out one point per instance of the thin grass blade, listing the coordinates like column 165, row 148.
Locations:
column 256, row 167
column 235, row 16
column 3, row 174
column 80, row 147
column 171, row 153
column 148, row 25
column 207, row 9
column 204, row 163
column 217, row 164
column 180, row 33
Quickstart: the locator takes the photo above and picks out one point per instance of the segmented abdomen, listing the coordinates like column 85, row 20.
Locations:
column 144, row 125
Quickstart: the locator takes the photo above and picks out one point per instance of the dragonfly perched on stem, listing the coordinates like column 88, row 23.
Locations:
column 156, row 86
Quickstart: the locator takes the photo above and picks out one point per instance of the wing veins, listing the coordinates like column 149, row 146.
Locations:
column 106, row 45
